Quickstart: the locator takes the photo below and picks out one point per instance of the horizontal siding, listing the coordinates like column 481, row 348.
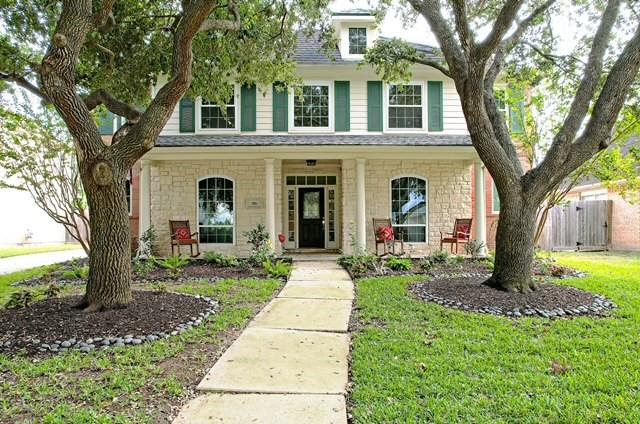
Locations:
column 454, row 122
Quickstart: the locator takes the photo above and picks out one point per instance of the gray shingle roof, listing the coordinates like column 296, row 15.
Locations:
column 309, row 51
column 314, row 140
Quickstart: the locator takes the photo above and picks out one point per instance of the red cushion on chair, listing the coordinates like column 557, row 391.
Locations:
column 462, row 232
column 183, row 234
column 386, row 234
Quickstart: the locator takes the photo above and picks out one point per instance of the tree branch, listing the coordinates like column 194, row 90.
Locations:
column 103, row 19
column 24, row 83
column 462, row 26
column 224, row 24
column 102, row 97
column 433, row 63
column 501, row 26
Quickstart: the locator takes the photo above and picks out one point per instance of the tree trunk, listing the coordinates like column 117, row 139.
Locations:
column 109, row 284
column 514, row 246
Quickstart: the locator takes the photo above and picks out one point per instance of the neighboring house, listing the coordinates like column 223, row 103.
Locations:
column 317, row 168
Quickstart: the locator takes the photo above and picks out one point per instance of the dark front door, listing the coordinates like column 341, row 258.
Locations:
column 311, row 217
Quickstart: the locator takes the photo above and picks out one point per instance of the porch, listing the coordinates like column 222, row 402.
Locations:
column 321, row 198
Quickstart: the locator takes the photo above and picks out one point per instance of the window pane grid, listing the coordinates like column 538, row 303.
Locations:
column 357, row 40
column 409, row 208
column 405, row 106
column 311, row 109
column 213, row 117
column 215, row 211
column 311, row 180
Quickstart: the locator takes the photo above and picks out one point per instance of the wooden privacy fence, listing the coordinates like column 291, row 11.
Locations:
column 581, row 225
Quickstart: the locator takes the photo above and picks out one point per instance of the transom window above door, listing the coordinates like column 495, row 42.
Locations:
column 405, row 106
column 213, row 117
column 311, row 107
column 357, row 40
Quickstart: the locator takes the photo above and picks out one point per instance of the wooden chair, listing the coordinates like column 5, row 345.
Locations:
column 181, row 235
column 385, row 235
column 461, row 234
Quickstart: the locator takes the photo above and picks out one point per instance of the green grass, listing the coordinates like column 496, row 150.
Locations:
column 129, row 385
column 8, row 252
column 415, row 362
column 7, row 280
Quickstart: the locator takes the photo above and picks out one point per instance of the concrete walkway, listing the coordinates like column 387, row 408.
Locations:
column 290, row 365
column 20, row 263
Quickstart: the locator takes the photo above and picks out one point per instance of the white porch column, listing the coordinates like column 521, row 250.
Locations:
column 361, row 218
column 481, row 204
column 145, row 197
column 270, row 202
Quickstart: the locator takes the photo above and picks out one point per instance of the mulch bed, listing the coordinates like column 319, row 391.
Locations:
column 470, row 265
column 54, row 325
column 467, row 292
column 198, row 269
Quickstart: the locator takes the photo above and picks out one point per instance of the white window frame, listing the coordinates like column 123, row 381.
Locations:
column 426, row 211
column 330, row 128
column 237, row 105
column 366, row 42
column 494, row 191
column 385, row 112
column 129, row 183
column 235, row 207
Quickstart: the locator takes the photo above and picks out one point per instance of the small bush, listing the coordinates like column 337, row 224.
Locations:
column 220, row 260
column 440, row 257
column 159, row 288
column 51, row 291
column 20, row 299
column 558, row 270
column 174, row 264
column 261, row 248
column 425, row 264
column 399, row 264
column 358, row 264
column 457, row 260
column 78, row 273
column 143, row 267
column 278, row 269
column 489, row 261
column 475, row 248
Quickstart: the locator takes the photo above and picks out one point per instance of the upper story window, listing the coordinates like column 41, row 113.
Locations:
column 357, row 40
column 311, row 108
column 212, row 115
column 405, row 106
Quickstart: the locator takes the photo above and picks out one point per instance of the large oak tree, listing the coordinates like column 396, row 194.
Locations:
column 82, row 55
column 479, row 40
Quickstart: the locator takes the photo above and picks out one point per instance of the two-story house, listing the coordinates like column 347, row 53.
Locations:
column 318, row 167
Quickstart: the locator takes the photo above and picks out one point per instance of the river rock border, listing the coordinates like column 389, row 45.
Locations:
column 105, row 343
column 599, row 307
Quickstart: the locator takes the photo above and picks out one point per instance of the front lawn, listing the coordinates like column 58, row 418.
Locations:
column 417, row 362
column 8, row 252
column 141, row 384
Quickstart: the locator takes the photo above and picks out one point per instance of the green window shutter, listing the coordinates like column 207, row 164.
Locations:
column 187, row 115
column 374, row 105
column 248, row 108
column 516, row 111
column 435, row 101
column 280, row 109
column 342, row 106
column 105, row 123
column 495, row 198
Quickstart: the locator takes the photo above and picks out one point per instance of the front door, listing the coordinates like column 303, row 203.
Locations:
column 311, row 217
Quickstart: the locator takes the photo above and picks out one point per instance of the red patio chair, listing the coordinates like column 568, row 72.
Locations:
column 385, row 234
column 181, row 235
column 461, row 234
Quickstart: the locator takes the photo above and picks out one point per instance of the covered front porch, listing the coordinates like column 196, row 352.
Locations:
column 318, row 198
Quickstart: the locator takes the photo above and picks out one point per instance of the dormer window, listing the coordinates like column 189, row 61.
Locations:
column 357, row 40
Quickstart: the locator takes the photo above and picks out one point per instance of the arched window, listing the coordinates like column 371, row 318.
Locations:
column 409, row 208
column 216, row 216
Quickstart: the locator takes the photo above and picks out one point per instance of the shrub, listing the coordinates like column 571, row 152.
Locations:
column 278, row 269
column 145, row 244
column 51, row 291
column 399, row 264
column 261, row 248
column 174, row 264
column 425, row 264
column 457, row 260
column 490, row 261
column 78, row 273
column 475, row 248
column 143, row 267
column 358, row 264
column 159, row 288
column 440, row 257
column 20, row 299
column 220, row 260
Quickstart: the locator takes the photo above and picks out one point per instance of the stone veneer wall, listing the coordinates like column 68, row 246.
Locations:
column 449, row 186
column 174, row 187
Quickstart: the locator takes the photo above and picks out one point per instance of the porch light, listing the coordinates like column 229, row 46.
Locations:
column 311, row 162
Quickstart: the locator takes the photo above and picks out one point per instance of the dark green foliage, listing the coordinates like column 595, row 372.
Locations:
column 440, row 257
column 78, row 273
column 261, row 248
column 20, row 299
column 278, row 269
column 174, row 264
column 358, row 264
column 220, row 260
column 143, row 267
column 399, row 264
